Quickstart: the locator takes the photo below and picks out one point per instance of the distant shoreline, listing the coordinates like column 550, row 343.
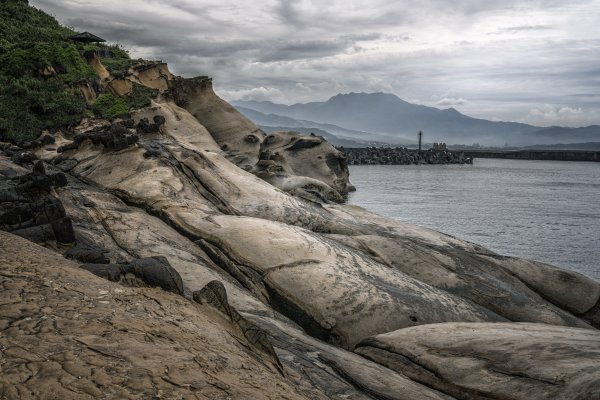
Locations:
column 399, row 155
column 403, row 156
column 551, row 155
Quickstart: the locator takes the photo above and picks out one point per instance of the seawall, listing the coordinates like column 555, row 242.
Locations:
column 403, row 156
column 554, row 155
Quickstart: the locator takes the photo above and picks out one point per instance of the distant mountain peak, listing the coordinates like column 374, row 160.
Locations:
column 385, row 114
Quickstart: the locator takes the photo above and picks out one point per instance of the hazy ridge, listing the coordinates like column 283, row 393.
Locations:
column 387, row 118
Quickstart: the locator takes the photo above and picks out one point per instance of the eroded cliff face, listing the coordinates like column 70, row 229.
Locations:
column 249, row 224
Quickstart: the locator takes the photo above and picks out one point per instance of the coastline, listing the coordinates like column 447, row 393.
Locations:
column 164, row 246
column 550, row 155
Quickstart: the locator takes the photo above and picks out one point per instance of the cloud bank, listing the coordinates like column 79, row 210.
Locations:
column 509, row 60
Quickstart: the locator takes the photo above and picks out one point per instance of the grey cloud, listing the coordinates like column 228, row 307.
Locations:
column 522, row 28
column 539, row 52
column 297, row 49
column 362, row 37
column 289, row 13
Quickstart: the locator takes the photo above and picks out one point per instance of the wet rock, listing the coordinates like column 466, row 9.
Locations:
column 150, row 271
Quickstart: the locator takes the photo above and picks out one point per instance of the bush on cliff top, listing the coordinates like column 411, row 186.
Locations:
column 39, row 67
column 110, row 106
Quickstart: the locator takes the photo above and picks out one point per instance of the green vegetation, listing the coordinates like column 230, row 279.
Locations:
column 39, row 70
column 117, row 66
column 140, row 96
column 110, row 106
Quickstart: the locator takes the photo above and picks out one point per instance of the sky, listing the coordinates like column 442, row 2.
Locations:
column 536, row 62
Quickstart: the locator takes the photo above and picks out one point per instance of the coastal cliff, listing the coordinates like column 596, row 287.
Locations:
column 179, row 252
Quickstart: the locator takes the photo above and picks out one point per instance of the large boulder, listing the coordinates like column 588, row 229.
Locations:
column 517, row 361
column 310, row 156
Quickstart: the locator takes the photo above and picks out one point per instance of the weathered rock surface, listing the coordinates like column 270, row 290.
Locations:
column 307, row 156
column 295, row 280
column 150, row 272
column 238, row 136
column 27, row 206
column 494, row 361
column 70, row 335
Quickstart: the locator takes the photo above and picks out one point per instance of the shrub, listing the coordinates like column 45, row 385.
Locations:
column 30, row 41
column 117, row 66
column 140, row 96
column 29, row 105
column 110, row 106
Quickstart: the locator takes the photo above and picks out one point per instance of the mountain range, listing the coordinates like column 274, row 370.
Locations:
column 384, row 117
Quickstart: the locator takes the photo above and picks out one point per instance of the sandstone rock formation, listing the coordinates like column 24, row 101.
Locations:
column 288, row 282
column 494, row 361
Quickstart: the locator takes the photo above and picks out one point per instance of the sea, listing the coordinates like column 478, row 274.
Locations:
column 540, row 210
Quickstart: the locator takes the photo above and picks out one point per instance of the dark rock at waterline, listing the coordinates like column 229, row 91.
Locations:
column 151, row 271
column 403, row 156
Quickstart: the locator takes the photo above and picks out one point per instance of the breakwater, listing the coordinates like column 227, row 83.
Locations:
column 403, row 156
column 550, row 155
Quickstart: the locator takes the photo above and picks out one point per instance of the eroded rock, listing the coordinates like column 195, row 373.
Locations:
column 150, row 272
column 311, row 156
column 494, row 361
column 29, row 209
column 71, row 335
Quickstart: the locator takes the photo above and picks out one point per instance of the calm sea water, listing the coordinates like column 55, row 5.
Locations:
column 542, row 210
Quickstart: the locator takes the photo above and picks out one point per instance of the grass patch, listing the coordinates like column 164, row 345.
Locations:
column 110, row 106
column 117, row 66
column 140, row 96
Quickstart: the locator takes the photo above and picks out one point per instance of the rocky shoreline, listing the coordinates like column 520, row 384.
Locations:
column 197, row 257
column 403, row 156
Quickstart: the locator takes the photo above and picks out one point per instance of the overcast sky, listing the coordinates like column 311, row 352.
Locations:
column 528, row 61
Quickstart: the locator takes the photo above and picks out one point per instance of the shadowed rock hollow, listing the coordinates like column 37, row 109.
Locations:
column 197, row 194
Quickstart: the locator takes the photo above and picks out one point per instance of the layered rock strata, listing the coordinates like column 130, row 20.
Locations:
column 278, row 283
